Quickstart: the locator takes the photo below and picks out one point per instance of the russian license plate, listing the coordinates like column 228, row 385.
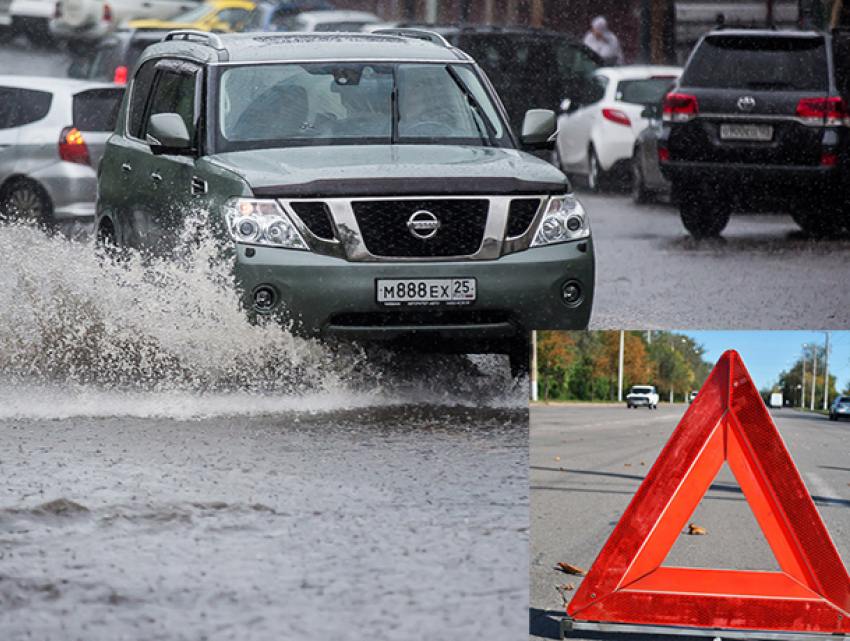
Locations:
column 760, row 133
column 426, row 291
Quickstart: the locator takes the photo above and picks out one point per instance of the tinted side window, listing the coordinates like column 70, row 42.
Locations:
column 759, row 63
column 97, row 109
column 142, row 83
column 20, row 107
column 175, row 93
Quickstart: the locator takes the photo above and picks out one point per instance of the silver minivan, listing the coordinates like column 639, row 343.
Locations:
column 52, row 133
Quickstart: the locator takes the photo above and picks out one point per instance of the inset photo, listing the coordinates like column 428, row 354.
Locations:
column 689, row 483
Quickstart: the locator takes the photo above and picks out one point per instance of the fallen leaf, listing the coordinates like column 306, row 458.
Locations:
column 560, row 469
column 565, row 440
column 642, row 463
column 557, row 458
column 571, row 569
column 696, row 529
column 628, row 464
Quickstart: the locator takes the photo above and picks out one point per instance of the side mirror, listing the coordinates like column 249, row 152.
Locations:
column 538, row 129
column 167, row 133
column 565, row 105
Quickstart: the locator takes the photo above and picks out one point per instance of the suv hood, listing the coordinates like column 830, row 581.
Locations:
column 387, row 170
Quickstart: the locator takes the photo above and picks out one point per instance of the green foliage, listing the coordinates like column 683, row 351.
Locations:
column 585, row 365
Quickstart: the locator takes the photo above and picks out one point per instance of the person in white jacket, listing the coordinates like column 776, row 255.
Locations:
column 603, row 41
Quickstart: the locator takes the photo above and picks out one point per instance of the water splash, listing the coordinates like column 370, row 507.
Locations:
column 167, row 336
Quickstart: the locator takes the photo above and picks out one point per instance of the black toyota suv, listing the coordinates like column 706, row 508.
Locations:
column 759, row 120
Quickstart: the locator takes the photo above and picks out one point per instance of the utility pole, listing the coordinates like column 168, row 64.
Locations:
column 803, row 391
column 620, row 381
column 814, row 375
column 826, row 373
column 533, row 374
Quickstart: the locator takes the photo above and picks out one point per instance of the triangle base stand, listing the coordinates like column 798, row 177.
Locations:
column 627, row 631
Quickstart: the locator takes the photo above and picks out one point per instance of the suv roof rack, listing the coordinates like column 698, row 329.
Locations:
column 418, row 34
column 201, row 37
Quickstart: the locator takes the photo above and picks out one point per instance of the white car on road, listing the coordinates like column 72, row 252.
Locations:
column 597, row 127
column 642, row 396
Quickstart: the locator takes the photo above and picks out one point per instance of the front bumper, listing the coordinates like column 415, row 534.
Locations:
column 637, row 401
column 325, row 296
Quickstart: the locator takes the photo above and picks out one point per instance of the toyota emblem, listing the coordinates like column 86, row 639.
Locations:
column 423, row 224
column 746, row 103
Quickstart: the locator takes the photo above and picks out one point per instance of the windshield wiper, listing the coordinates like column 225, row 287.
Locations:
column 490, row 136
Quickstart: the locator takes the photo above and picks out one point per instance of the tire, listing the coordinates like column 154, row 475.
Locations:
column 818, row 217
column 595, row 175
column 640, row 193
column 703, row 214
column 23, row 200
column 519, row 355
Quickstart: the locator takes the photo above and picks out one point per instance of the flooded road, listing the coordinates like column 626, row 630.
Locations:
column 173, row 472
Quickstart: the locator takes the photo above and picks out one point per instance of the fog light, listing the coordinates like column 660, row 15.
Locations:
column 571, row 293
column 264, row 298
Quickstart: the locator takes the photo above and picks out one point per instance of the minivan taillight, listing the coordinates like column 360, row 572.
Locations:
column 57, row 11
column 107, row 13
column 72, row 147
column 823, row 111
column 120, row 77
column 680, row 107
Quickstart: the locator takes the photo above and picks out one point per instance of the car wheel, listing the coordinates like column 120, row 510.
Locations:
column 519, row 354
column 23, row 200
column 640, row 193
column 703, row 214
column 594, row 171
column 817, row 218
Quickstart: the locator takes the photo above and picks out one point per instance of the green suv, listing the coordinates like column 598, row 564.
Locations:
column 369, row 185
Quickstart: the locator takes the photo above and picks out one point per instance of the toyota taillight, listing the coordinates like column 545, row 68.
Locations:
column 679, row 107
column 823, row 111
column 72, row 147
column 120, row 77
column 107, row 13
column 617, row 116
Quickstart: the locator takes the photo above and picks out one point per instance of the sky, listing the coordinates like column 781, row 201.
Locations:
column 767, row 353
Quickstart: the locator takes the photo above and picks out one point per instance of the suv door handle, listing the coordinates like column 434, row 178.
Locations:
column 156, row 177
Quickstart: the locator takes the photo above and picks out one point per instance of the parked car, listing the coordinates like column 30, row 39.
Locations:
column 85, row 22
column 530, row 68
column 5, row 19
column 692, row 396
column 51, row 138
column 115, row 56
column 278, row 16
column 220, row 16
column 648, row 182
column 368, row 186
column 34, row 19
column 642, row 396
column 759, row 119
column 840, row 408
column 597, row 128
column 331, row 20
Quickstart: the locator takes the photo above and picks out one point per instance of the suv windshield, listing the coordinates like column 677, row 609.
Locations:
column 641, row 390
column 275, row 105
column 759, row 63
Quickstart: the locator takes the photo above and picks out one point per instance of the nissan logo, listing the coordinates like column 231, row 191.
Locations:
column 423, row 224
column 746, row 103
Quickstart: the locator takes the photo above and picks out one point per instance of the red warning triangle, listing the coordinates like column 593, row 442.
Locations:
column 727, row 422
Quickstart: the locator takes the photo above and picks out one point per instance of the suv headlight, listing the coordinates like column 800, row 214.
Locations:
column 564, row 220
column 261, row 222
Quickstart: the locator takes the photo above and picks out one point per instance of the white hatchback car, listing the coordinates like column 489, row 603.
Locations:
column 598, row 127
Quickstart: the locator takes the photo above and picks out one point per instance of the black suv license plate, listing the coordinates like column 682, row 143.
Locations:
column 426, row 291
column 736, row 131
